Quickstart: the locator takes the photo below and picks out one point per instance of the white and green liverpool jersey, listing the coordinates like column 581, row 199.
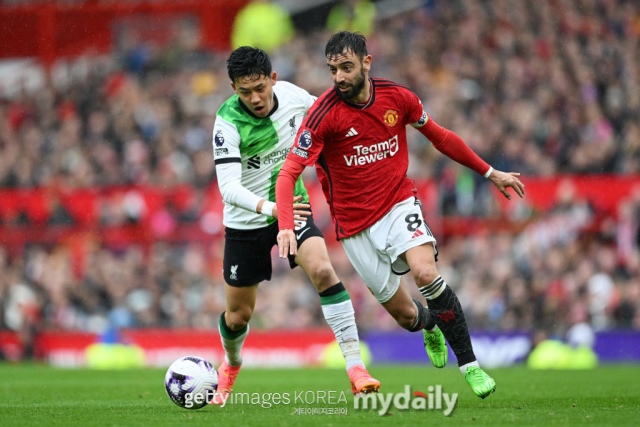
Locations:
column 261, row 145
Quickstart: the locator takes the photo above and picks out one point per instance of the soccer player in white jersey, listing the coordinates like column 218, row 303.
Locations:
column 253, row 133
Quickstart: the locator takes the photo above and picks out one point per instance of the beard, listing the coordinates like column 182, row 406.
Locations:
column 356, row 87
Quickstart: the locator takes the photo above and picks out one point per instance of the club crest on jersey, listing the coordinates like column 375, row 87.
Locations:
column 292, row 123
column 219, row 138
column 390, row 118
column 423, row 119
column 304, row 141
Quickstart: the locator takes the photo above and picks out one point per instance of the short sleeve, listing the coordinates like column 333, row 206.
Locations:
column 414, row 112
column 226, row 142
column 308, row 144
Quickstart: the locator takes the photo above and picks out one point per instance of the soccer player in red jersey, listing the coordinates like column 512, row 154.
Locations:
column 355, row 135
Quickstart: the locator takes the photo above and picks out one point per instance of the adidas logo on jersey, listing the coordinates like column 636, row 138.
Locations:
column 352, row 132
column 253, row 162
column 417, row 234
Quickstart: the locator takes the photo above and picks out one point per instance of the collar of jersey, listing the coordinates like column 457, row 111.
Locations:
column 369, row 103
column 273, row 110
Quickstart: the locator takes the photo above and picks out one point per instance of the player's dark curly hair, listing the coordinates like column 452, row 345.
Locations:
column 250, row 62
column 344, row 42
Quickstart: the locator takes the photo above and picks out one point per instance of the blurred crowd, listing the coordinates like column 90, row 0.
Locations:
column 541, row 87
column 564, row 268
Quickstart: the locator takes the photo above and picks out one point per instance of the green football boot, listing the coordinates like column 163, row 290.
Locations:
column 436, row 347
column 481, row 383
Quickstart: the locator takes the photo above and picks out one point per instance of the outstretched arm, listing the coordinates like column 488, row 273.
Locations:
column 289, row 173
column 228, row 160
column 451, row 145
column 235, row 194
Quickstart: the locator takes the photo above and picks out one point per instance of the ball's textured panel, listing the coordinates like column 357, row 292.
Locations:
column 189, row 377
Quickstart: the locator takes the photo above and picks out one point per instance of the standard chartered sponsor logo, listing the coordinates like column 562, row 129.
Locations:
column 276, row 157
column 372, row 153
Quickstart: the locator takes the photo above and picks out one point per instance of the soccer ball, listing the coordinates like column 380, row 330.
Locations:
column 191, row 382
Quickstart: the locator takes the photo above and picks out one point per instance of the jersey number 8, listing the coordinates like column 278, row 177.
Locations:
column 413, row 222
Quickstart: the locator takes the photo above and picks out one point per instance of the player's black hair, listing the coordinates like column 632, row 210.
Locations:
column 344, row 42
column 250, row 62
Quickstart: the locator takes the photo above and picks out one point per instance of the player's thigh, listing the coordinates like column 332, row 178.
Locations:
column 313, row 257
column 372, row 265
column 402, row 230
column 304, row 231
column 247, row 257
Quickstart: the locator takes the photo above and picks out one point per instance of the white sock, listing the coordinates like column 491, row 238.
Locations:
column 341, row 318
column 232, row 346
column 463, row 368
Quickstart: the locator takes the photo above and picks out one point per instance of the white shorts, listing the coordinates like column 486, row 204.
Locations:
column 375, row 251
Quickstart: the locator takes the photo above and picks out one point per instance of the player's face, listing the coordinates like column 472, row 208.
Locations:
column 256, row 94
column 349, row 73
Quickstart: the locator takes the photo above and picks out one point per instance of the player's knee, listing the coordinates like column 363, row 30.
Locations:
column 322, row 275
column 425, row 275
column 238, row 319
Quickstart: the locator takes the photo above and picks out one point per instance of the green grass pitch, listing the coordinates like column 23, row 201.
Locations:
column 39, row 395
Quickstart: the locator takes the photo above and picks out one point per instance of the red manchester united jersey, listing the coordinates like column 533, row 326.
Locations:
column 360, row 152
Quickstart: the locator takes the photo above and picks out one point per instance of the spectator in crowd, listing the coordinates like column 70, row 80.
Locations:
column 352, row 15
column 262, row 24
column 543, row 87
